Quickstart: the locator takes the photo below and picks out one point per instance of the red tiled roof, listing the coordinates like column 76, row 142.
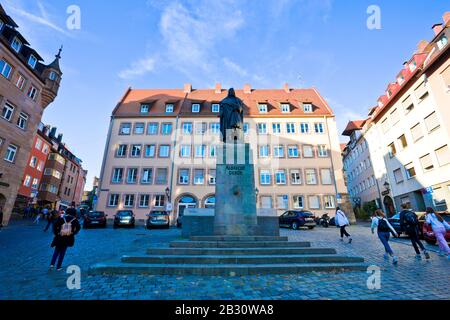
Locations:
column 352, row 126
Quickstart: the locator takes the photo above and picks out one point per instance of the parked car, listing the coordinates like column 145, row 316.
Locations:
column 428, row 233
column 124, row 218
column 158, row 219
column 333, row 222
column 297, row 219
column 95, row 219
column 395, row 222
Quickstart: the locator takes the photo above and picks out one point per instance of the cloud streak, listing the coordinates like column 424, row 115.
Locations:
column 138, row 68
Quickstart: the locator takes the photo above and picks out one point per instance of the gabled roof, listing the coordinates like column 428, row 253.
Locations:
column 353, row 126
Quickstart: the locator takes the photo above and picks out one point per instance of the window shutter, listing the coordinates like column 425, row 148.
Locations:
column 432, row 122
column 446, row 76
column 416, row 132
column 421, row 91
column 443, row 155
column 427, row 162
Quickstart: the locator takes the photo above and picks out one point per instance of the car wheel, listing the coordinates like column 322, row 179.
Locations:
column 294, row 226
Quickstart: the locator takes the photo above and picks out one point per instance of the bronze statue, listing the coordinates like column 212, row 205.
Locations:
column 231, row 115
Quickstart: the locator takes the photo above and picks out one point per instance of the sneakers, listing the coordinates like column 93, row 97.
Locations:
column 51, row 268
column 59, row 269
column 427, row 255
column 418, row 257
column 442, row 254
column 386, row 256
column 341, row 240
column 350, row 240
column 395, row 260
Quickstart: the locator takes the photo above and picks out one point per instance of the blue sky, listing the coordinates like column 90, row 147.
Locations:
column 164, row 44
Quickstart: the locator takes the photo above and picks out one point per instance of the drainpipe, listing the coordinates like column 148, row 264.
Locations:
column 332, row 162
column 174, row 146
column 105, row 156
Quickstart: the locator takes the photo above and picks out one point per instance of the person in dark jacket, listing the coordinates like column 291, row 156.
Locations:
column 51, row 218
column 412, row 230
column 62, row 242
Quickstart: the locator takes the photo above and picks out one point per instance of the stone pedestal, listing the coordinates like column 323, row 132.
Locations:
column 235, row 211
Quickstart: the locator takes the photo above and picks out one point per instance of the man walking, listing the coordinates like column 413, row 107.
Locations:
column 410, row 223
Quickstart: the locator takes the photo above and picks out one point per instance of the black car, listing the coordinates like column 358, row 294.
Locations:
column 395, row 222
column 297, row 219
column 124, row 218
column 95, row 219
column 158, row 219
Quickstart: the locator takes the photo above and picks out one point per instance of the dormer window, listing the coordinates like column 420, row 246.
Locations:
column 285, row 108
column 262, row 108
column 307, row 108
column 196, row 107
column 1, row 24
column 145, row 108
column 215, row 108
column 400, row 80
column 169, row 108
column 412, row 66
column 442, row 42
column 32, row 61
column 16, row 44
column 53, row 76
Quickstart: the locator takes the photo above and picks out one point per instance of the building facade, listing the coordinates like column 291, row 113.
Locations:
column 161, row 149
column 27, row 87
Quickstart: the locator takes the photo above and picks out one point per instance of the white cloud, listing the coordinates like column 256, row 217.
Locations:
column 138, row 68
column 234, row 67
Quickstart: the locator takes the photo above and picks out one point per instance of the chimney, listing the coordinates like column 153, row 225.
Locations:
column 286, row 88
column 421, row 46
column 187, row 88
column 52, row 133
column 437, row 28
column 218, row 88
column 60, row 137
column 247, row 89
column 446, row 17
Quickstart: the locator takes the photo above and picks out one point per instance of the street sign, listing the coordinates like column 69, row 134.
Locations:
column 428, row 190
column 169, row 207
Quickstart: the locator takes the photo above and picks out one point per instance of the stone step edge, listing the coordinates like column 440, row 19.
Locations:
column 277, row 244
column 239, row 238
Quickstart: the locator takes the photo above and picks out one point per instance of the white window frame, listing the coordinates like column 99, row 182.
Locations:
column 196, row 107
column 215, row 108
column 11, row 153
column 7, row 115
column 32, row 61
column 16, row 44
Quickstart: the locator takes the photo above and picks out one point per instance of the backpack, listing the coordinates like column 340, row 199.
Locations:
column 383, row 226
column 411, row 219
column 66, row 229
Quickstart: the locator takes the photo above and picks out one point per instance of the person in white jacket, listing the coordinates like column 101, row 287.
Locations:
column 439, row 226
column 342, row 222
column 384, row 230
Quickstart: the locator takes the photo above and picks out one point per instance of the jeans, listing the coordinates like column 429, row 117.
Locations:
column 49, row 223
column 344, row 232
column 440, row 236
column 413, row 233
column 384, row 237
column 59, row 254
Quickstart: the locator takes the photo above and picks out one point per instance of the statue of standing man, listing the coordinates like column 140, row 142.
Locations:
column 231, row 117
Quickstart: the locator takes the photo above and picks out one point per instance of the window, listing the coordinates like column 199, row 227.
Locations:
column 304, row 127
column 161, row 176
column 27, row 181
column 322, row 151
column 443, row 155
column 246, row 128
column 327, row 176
column 169, row 108
column 117, row 175
column 5, row 69
column 7, row 111
column 113, row 200
column 395, row 116
column 329, row 202
column 215, row 128
column 215, row 107
column 280, row 177
column 308, row 151
column 432, row 122
column 276, row 128
column 290, row 128
column 319, row 128
column 139, row 128
column 398, row 176
column 33, row 162
column 427, row 163
column 298, row 202
column 417, row 132
column 35, row 184
column 311, row 176
column 264, row 151
column 145, row 108
column 307, row 108
column 200, row 151
column 262, row 108
column 266, row 202
column 125, row 129
column 196, row 107
column 122, row 150
column 53, row 76
column 199, row 176
column 40, row 166
column 185, row 151
column 262, row 128
column 445, row 77
column 265, row 177
column 160, row 201
column 283, row 202
column 20, row 83
column 16, row 44
column 144, row 201
column 187, row 128
column 402, row 142
column 152, row 129
column 293, row 152
column 11, row 153
column 147, row 176
column 410, row 171
column 38, row 144
column 212, row 177
column 296, row 177
column 385, row 125
column 136, row 151
column 408, row 104
column 183, row 176
column 32, row 93
column 314, row 202
column 278, row 151
column 164, row 151
column 421, row 92
column 200, row 128
column 150, row 151
column 286, row 108
column 212, row 151
column 32, row 61
column 166, row 129
column 129, row 201
column 442, row 42
column 132, row 175
column 392, row 150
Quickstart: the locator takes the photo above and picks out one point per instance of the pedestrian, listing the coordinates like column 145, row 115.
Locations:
column 410, row 223
column 26, row 212
column 384, row 230
column 1, row 217
column 38, row 217
column 51, row 218
column 440, row 227
column 342, row 222
column 65, row 229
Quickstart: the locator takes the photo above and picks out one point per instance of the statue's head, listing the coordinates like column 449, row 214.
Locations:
column 231, row 93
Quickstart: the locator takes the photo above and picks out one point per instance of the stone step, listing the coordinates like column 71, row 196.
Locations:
column 240, row 238
column 240, row 259
column 120, row 268
column 240, row 244
column 238, row 251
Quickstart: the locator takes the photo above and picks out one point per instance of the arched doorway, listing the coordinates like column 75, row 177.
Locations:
column 210, row 202
column 389, row 206
column 184, row 202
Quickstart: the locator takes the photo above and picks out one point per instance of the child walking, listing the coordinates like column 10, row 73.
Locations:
column 384, row 230
column 439, row 226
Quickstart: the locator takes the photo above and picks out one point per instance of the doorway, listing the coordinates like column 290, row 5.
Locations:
column 184, row 203
column 389, row 206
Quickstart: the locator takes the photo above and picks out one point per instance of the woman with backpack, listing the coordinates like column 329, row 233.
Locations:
column 65, row 229
column 342, row 222
column 384, row 230
column 410, row 223
column 440, row 227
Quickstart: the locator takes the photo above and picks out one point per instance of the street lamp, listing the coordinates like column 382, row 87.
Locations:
column 387, row 185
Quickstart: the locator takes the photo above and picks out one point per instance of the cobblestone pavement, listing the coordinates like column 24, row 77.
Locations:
column 25, row 254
